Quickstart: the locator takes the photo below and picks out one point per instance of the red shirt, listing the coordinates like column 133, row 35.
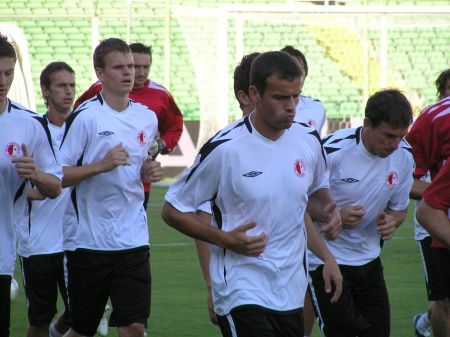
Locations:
column 429, row 138
column 159, row 100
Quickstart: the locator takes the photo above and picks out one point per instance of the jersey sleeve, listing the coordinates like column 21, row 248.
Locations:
column 321, row 171
column 437, row 194
column 93, row 90
column 45, row 156
column 400, row 199
column 171, row 126
column 74, row 141
column 199, row 184
column 321, row 120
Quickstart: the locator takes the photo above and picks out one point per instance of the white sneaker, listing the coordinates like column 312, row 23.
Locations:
column 102, row 328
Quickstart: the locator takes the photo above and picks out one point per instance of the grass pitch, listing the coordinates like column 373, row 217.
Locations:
column 179, row 296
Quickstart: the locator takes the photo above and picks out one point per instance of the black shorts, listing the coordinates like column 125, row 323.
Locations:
column 43, row 275
column 5, row 307
column 436, row 262
column 95, row 276
column 254, row 321
column 362, row 309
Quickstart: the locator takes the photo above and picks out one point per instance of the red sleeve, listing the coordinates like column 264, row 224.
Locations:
column 437, row 195
column 420, row 139
column 93, row 90
column 170, row 126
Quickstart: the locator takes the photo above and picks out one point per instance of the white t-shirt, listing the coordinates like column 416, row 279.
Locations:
column 358, row 177
column 420, row 233
column 251, row 178
column 40, row 229
column 311, row 111
column 108, row 206
column 17, row 130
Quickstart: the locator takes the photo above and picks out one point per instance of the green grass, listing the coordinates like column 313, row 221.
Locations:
column 179, row 297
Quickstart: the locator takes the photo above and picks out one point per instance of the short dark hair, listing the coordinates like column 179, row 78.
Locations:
column 242, row 73
column 294, row 52
column 108, row 46
column 52, row 68
column 441, row 81
column 270, row 63
column 141, row 48
column 390, row 106
column 6, row 48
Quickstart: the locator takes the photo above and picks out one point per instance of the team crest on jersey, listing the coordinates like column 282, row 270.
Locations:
column 299, row 168
column 142, row 137
column 392, row 178
column 12, row 150
column 311, row 122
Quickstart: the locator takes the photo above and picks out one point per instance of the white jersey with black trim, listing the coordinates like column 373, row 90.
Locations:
column 249, row 178
column 17, row 130
column 108, row 206
column 40, row 231
column 311, row 111
column 358, row 177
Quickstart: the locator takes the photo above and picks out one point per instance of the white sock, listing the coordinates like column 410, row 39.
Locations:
column 53, row 332
column 423, row 323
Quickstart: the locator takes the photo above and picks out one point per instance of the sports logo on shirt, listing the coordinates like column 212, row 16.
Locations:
column 12, row 150
column 299, row 168
column 349, row 180
column 142, row 137
column 252, row 174
column 392, row 178
column 106, row 133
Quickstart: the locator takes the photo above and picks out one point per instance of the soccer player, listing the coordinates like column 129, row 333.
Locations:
column 241, row 83
column 258, row 173
column 26, row 154
column 40, row 227
column 156, row 98
column 371, row 171
column 309, row 110
column 430, row 153
column 104, row 156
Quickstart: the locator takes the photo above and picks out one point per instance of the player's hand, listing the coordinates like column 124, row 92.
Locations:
column 386, row 225
column 334, row 225
column 117, row 156
column 332, row 276
column 238, row 241
column 351, row 216
column 151, row 171
column 25, row 166
column 33, row 194
column 212, row 314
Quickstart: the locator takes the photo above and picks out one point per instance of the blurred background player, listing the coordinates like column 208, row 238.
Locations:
column 156, row 98
column 28, row 155
column 436, row 260
column 309, row 110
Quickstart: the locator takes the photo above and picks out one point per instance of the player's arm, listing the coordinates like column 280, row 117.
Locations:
column 388, row 221
column 417, row 189
column 116, row 156
column 435, row 221
column 235, row 240
column 331, row 271
column 321, row 207
column 203, row 252
column 170, row 127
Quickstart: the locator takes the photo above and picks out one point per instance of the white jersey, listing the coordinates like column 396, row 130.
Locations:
column 358, row 177
column 17, row 130
column 420, row 233
column 108, row 206
column 310, row 111
column 40, row 229
column 248, row 177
